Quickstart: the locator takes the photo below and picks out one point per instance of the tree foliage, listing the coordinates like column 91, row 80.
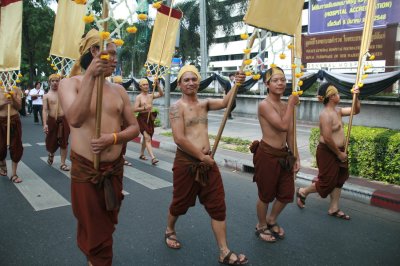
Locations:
column 37, row 31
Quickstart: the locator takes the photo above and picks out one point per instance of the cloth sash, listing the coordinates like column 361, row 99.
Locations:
column 197, row 169
column 82, row 171
column 286, row 157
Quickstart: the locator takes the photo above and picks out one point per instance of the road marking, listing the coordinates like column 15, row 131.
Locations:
column 26, row 145
column 161, row 164
column 56, row 165
column 37, row 192
column 41, row 143
column 145, row 179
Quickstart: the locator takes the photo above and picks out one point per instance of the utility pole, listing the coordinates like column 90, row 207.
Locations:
column 203, row 39
column 167, row 92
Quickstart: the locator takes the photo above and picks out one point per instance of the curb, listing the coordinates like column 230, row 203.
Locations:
column 363, row 194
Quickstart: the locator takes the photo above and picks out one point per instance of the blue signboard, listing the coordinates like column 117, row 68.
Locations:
column 327, row 16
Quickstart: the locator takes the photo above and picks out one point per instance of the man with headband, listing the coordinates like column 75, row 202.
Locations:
column 55, row 126
column 195, row 172
column 16, row 149
column 274, row 162
column 96, row 195
column 143, row 105
column 331, row 159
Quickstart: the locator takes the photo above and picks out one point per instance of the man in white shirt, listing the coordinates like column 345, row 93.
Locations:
column 37, row 101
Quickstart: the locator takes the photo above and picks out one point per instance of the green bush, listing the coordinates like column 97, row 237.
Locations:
column 374, row 153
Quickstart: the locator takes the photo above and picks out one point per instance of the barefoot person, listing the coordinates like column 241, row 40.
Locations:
column 143, row 105
column 331, row 159
column 273, row 160
column 55, row 126
column 16, row 149
column 195, row 173
column 96, row 195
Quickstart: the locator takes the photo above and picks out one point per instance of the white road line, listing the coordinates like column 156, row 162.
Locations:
column 161, row 164
column 26, row 145
column 145, row 179
column 57, row 163
column 37, row 192
column 41, row 143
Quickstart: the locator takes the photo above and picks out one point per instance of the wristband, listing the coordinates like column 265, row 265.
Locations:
column 115, row 138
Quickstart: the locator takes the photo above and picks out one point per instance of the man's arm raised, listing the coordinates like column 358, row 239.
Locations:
column 346, row 111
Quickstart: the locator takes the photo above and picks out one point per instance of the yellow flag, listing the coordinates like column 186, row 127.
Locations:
column 10, row 34
column 275, row 15
column 68, row 29
column 164, row 35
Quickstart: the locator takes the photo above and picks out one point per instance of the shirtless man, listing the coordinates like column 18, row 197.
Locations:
column 96, row 195
column 189, row 125
column 16, row 149
column 273, row 160
column 331, row 159
column 143, row 105
column 55, row 126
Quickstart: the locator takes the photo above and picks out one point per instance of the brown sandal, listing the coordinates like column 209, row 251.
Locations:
column 15, row 179
column 228, row 261
column 266, row 232
column 154, row 161
column 64, row 167
column 167, row 236
column 142, row 157
column 50, row 159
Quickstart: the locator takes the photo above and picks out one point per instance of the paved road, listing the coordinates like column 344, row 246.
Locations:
column 38, row 228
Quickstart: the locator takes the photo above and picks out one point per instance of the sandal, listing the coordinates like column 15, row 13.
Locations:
column 339, row 215
column 300, row 199
column 154, row 161
column 3, row 169
column 50, row 159
column 265, row 232
column 142, row 157
column 15, row 179
column 127, row 163
column 176, row 244
column 241, row 259
column 64, row 167
column 277, row 235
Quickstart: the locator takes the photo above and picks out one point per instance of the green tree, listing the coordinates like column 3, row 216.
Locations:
column 37, row 31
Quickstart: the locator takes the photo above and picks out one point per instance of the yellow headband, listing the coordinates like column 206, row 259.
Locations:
column 331, row 90
column 188, row 68
column 54, row 76
column 274, row 71
column 143, row 82
column 117, row 79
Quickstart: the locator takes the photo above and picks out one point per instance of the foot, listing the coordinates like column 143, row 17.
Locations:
column 265, row 234
column 64, row 167
column 339, row 214
column 15, row 179
column 300, row 199
column 276, row 230
column 142, row 157
column 50, row 159
column 171, row 241
column 127, row 163
column 154, row 161
column 230, row 258
column 3, row 169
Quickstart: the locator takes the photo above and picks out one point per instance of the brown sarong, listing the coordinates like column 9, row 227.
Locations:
column 332, row 173
column 186, row 188
column 16, row 149
column 147, row 126
column 96, row 197
column 273, row 172
column 58, row 134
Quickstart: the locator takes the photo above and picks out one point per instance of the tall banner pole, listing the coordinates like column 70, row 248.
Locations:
column 232, row 98
column 365, row 43
column 292, row 59
column 100, row 83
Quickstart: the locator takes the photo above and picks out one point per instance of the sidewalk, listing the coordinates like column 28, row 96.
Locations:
column 359, row 189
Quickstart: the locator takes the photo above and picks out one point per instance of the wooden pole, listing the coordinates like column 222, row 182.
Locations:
column 231, row 99
column 8, row 124
column 100, row 83
column 162, row 53
column 292, row 50
column 365, row 42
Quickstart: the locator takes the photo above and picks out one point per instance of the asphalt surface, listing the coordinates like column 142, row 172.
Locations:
column 47, row 236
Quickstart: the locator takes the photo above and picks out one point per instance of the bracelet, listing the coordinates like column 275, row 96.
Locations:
column 115, row 138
